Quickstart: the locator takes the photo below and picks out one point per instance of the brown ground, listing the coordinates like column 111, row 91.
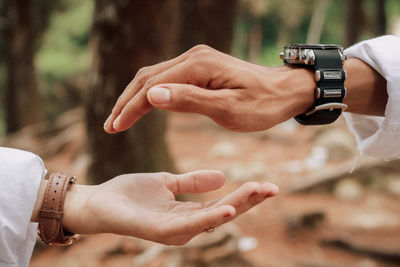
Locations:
column 370, row 222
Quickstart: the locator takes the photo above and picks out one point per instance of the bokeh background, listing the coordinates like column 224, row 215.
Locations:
column 63, row 63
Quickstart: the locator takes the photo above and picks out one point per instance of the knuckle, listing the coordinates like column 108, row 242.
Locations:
column 201, row 53
column 200, row 61
column 142, row 71
column 150, row 82
column 142, row 75
column 185, row 99
column 199, row 47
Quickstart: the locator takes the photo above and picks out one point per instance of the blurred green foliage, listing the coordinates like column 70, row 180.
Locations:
column 293, row 17
column 64, row 52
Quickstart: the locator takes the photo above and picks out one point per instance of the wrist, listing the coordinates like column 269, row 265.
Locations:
column 366, row 89
column 51, row 213
column 76, row 217
column 300, row 83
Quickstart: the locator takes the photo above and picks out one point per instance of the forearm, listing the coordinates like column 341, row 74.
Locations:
column 366, row 88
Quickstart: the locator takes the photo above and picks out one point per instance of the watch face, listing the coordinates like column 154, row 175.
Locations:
column 304, row 53
column 313, row 46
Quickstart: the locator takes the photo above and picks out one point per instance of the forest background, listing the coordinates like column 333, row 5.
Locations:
column 63, row 63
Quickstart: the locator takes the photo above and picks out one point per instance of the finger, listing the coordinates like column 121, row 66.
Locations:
column 133, row 88
column 221, row 105
column 136, row 85
column 136, row 108
column 192, row 99
column 186, row 72
column 248, row 195
column 195, row 182
column 196, row 223
column 139, row 105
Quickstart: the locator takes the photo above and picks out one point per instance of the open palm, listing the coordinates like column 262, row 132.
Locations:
column 144, row 205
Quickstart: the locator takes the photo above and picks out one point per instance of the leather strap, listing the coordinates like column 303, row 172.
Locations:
column 330, row 89
column 50, row 228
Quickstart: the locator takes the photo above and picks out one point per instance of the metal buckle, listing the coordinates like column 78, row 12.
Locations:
column 68, row 240
column 330, row 75
column 330, row 106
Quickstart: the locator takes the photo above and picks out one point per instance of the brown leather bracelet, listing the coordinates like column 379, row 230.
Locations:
column 50, row 227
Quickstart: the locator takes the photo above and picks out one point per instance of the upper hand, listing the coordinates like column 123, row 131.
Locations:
column 144, row 205
column 236, row 94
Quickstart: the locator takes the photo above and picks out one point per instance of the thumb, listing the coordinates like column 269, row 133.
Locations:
column 189, row 98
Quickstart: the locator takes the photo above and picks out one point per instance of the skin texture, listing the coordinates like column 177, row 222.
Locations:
column 366, row 89
column 144, row 205
column 238, row 95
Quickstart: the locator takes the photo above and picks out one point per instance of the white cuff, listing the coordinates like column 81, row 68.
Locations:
column 379, row 136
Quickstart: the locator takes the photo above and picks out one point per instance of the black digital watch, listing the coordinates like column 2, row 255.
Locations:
column 327, row 61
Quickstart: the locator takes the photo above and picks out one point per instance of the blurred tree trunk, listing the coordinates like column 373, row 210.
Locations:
column 255, row 11
column 255, row 39
column 317, row 22
column 380, row 17
column 354, row 21
column 209, row 22
column 126, row 36
column 22, row 98
column 291, row 14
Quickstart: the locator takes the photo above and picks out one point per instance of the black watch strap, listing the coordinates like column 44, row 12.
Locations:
column 330, row 90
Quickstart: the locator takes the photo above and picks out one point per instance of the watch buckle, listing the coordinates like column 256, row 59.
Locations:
column 330, row 106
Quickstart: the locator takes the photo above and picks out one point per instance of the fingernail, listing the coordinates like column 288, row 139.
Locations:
column 159, row 95
column 115, row 124
column 107, row 120
column 227, row 215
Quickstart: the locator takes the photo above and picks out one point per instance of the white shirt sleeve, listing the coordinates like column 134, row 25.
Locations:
column 379, row 136
column 20, row 176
